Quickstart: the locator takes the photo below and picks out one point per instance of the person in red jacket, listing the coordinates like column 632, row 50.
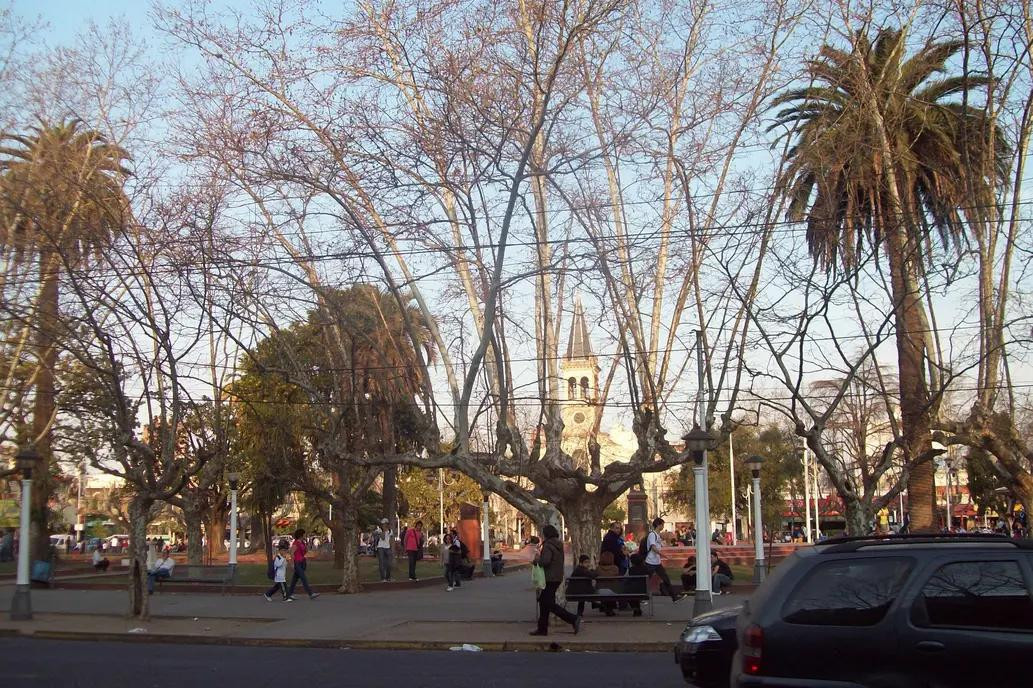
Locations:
column 414, row 547
column 299, row 549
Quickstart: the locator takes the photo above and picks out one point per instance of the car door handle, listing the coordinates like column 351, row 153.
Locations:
column 930, row 646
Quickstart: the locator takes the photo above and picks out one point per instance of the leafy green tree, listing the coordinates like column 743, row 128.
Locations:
column 887, row 154
column 782, row 474
column 612, row 514
column 338, row 389
column 419, row 490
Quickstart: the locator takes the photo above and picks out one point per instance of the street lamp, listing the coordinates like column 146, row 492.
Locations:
column 21, row 605
column 234, row 478
column 754, row 464
column 698, row 441
column 486, row 562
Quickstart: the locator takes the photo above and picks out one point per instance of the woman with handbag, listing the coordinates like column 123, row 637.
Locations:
column 414, row 547
column 550, row 558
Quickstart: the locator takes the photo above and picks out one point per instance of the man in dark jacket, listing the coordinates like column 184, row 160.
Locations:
column 614, row 542
column 550, row 558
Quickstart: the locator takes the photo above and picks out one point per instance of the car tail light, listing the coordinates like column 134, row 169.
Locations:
column 752, row 649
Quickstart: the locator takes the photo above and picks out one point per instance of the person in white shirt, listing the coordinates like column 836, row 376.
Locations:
column 382, row 536
column 279, row 574
column 100, row 563
column 162, row 569
column 654, row 545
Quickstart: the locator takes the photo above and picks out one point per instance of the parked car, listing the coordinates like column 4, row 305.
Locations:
column 706, row 647
column 62, row 542
column 900, row 612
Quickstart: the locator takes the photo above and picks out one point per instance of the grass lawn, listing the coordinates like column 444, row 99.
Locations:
column 8, row 566
column 320, row 572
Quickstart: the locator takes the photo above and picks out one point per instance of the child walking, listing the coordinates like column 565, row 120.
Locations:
column 279, row 574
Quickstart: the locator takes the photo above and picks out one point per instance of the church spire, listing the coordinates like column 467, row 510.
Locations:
column 579, row 346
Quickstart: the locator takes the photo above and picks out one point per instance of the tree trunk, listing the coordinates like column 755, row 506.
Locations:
column 257, row 527
column 214, row 534
column 265, row 519
column 583, row 517
column 915, row 411
column 139, row 518
column 389, row 494
column 338, row 529
column 347, row 543
column 858, row 518
column 43, row 409
column 194, row 536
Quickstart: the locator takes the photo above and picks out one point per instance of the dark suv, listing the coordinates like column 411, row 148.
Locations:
column 892, row 612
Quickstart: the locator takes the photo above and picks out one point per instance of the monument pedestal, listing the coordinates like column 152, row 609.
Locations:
column 638, row 514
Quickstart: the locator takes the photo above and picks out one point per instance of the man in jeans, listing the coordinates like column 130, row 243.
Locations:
column 162, row 569
column 653, row 546
column 722, row 576
column 414, row 547
column 382, row 543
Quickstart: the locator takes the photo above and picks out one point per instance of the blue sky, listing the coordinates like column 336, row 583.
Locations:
column 66, row 18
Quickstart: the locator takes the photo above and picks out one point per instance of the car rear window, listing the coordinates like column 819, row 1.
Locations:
column 976, row 594
column 847, row 592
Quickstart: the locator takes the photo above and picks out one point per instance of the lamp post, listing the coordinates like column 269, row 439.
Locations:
column 806, row 490
column 698, row 441
column 486, row 545
column 234, row 478
column 21, row 604
column 755, row 463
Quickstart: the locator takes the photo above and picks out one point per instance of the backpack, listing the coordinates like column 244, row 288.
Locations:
column 464, row 551
column 270, row 571
column 643, row 547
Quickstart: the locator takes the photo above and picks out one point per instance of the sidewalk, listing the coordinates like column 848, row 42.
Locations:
column 495, row 613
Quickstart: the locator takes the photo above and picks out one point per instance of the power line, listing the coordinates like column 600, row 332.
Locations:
column 774, row 227
column 559, row 357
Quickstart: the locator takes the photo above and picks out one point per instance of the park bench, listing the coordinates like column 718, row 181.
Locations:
column 609, row 589
column 190, row 574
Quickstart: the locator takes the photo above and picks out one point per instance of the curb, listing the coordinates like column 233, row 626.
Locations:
column 327, row 643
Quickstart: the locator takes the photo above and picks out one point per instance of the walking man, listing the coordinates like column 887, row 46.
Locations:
column 654, row 544
column 414, row 547
column 382, row 542
column 550, row 558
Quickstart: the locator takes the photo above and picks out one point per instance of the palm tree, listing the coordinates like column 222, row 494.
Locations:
column 887, row 153
column 61, row 200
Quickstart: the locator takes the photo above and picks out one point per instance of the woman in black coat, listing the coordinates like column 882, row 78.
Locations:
column 550, row 558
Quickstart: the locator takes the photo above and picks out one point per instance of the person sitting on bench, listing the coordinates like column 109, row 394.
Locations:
column 581, row 581
column 607, row 569
column 100, row 563
column 638, row 568
column 496, row 563
column 162, row 569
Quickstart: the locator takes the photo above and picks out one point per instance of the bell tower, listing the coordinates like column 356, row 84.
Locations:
column 580, row 372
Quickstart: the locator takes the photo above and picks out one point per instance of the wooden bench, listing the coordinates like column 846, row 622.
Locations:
column 609, row 589
column 200, row 575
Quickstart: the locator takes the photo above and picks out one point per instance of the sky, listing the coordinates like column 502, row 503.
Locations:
column 65, row 19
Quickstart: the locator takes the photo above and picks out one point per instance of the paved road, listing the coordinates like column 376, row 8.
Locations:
column 28, row 663
column 494, row 610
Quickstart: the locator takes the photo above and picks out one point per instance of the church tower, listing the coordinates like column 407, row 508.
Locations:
column 580, row 372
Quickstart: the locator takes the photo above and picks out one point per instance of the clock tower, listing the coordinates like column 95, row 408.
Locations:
column 580, row 388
